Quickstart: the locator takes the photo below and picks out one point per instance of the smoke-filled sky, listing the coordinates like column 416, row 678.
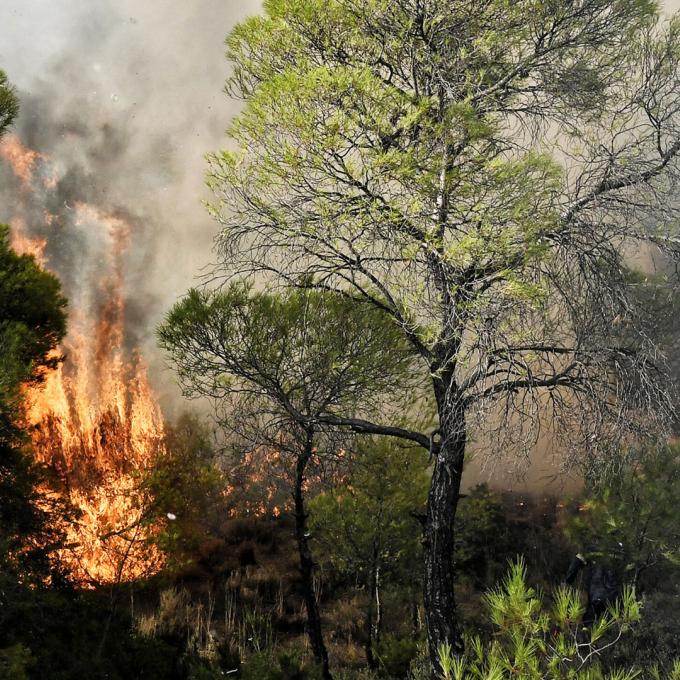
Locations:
column 125, row 97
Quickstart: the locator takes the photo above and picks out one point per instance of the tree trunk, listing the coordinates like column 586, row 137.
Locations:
column 307, row 562
column 377, row 625
column 374, row 613
column 439, row 599
column 416, row 620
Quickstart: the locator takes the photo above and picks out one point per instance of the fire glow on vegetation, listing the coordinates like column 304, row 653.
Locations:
column 95, row 421
column 262, row 483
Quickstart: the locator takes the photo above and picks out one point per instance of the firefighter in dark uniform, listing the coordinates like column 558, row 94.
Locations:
column 602, row 578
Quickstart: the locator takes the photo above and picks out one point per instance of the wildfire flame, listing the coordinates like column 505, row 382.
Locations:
column 262, row 482
column 95, row 421
column 22, row 159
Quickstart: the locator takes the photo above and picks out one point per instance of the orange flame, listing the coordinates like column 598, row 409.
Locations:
column 21, row 159
column 262, row 482
column 24, row 244
column 95, row 420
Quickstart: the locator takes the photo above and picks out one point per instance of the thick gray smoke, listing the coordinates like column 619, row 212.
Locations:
column 125, row 97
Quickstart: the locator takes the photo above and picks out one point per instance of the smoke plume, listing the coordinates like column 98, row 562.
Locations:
column 121, row 99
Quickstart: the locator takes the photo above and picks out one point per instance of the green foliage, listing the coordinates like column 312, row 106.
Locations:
column 287, row 665
column 15, row 662
column 395, row 654
column 186, row 488
column 32, row 322
column 656, row 640
column 631, row 516
column 369, row 537
column 9, row 104
column 368, row 520
column 359, row 115
column 482, row 542
column 202, row 669
column 60, row 634
column 305, row 351
column 322, row 108
column 539, row 642
column 633, row 511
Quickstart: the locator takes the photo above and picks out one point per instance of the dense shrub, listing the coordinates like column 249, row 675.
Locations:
column 66, row 635
column 395, row 655
column 533, row 641
column 288, row 665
